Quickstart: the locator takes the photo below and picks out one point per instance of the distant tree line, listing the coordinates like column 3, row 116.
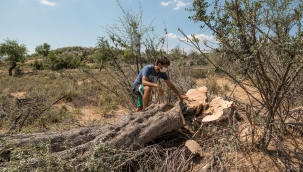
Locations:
column 76, row 56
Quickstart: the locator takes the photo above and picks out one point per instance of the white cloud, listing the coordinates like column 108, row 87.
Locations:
column 180, row 4
column 172, row 35
column 200, row 37
column 177, row 4
column 165, row 3
column 203, row 37
column 45, row 2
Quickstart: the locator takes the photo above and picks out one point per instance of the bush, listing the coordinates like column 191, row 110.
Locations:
column 38, row 65
column 66, row 63
column 212, row 85
column 199, row 73
column 1, row 63
column 18, row 71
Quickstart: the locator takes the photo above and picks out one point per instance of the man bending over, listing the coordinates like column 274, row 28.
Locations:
column 147, row 79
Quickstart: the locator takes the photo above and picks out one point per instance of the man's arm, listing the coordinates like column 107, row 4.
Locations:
column 172, row 87
column 145, row 82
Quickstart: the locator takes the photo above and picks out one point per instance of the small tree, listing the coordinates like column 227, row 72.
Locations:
column 131, row 34
column 102, row 55
column 257, row 48
column 14, row 53
column 43, row 50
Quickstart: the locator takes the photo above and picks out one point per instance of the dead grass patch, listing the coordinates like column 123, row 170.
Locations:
column 18, row 95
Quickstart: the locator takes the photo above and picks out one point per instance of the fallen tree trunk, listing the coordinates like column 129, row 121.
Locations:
column 132, row 131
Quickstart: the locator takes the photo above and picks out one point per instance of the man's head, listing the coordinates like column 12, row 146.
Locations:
column 162, row 64
column 163, row 61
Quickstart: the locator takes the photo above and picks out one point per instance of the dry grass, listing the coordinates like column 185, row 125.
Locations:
column 53, row 100
column 40, row 93
column 68, row 99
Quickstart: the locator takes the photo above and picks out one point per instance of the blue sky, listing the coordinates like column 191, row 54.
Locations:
column 63, row 23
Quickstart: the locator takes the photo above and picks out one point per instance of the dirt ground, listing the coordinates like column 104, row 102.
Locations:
column 234, row 90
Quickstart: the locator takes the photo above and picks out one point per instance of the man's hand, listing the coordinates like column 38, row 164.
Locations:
column 183, row 96
column 160, row 91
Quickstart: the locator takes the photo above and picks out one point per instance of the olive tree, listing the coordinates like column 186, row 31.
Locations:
column 43, row 49
column 13, row 52
column 259, row 43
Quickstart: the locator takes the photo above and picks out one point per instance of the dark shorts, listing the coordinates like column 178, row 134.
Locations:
column 139, row 90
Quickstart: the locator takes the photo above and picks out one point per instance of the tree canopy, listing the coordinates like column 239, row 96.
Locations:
column 130, row 34
column 43, row 50
column 14, row 52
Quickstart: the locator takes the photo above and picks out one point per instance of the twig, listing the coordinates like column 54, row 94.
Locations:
column 52, row 104
column 204, row 167
column 197, row 131
column 182, row 133
column 101, row 83
column 282, row 163
column 236, row 143
column 221, row 163
column 233, row 90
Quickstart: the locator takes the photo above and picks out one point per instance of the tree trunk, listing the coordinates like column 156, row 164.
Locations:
column 132, row 131
column 10, row 70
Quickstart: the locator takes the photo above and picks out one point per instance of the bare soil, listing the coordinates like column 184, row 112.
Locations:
column 234, row 91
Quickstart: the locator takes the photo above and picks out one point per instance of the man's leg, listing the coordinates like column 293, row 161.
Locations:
column 146, row 96
column 139, row 89
column 139, row 103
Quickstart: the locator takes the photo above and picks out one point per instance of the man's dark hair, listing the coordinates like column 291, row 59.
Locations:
column 163, row 61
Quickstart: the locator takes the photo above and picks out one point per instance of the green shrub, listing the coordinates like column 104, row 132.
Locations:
column 38, row 65
column 18, row 71
column 199, row 73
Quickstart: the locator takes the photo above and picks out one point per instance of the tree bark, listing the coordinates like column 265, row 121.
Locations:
column 132, row 131
column 10, row 70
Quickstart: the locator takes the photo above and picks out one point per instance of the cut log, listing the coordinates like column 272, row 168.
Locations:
column 218, row 109
column 200, row 110
column 197, row 101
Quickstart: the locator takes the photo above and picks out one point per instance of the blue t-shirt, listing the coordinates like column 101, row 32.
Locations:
column 150, row 73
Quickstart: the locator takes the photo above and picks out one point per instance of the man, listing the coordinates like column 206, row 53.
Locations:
column 147, row 79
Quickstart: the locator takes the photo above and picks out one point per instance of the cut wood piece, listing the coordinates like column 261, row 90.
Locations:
column 194, row 147
column 196, row 102
column 218, row 109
